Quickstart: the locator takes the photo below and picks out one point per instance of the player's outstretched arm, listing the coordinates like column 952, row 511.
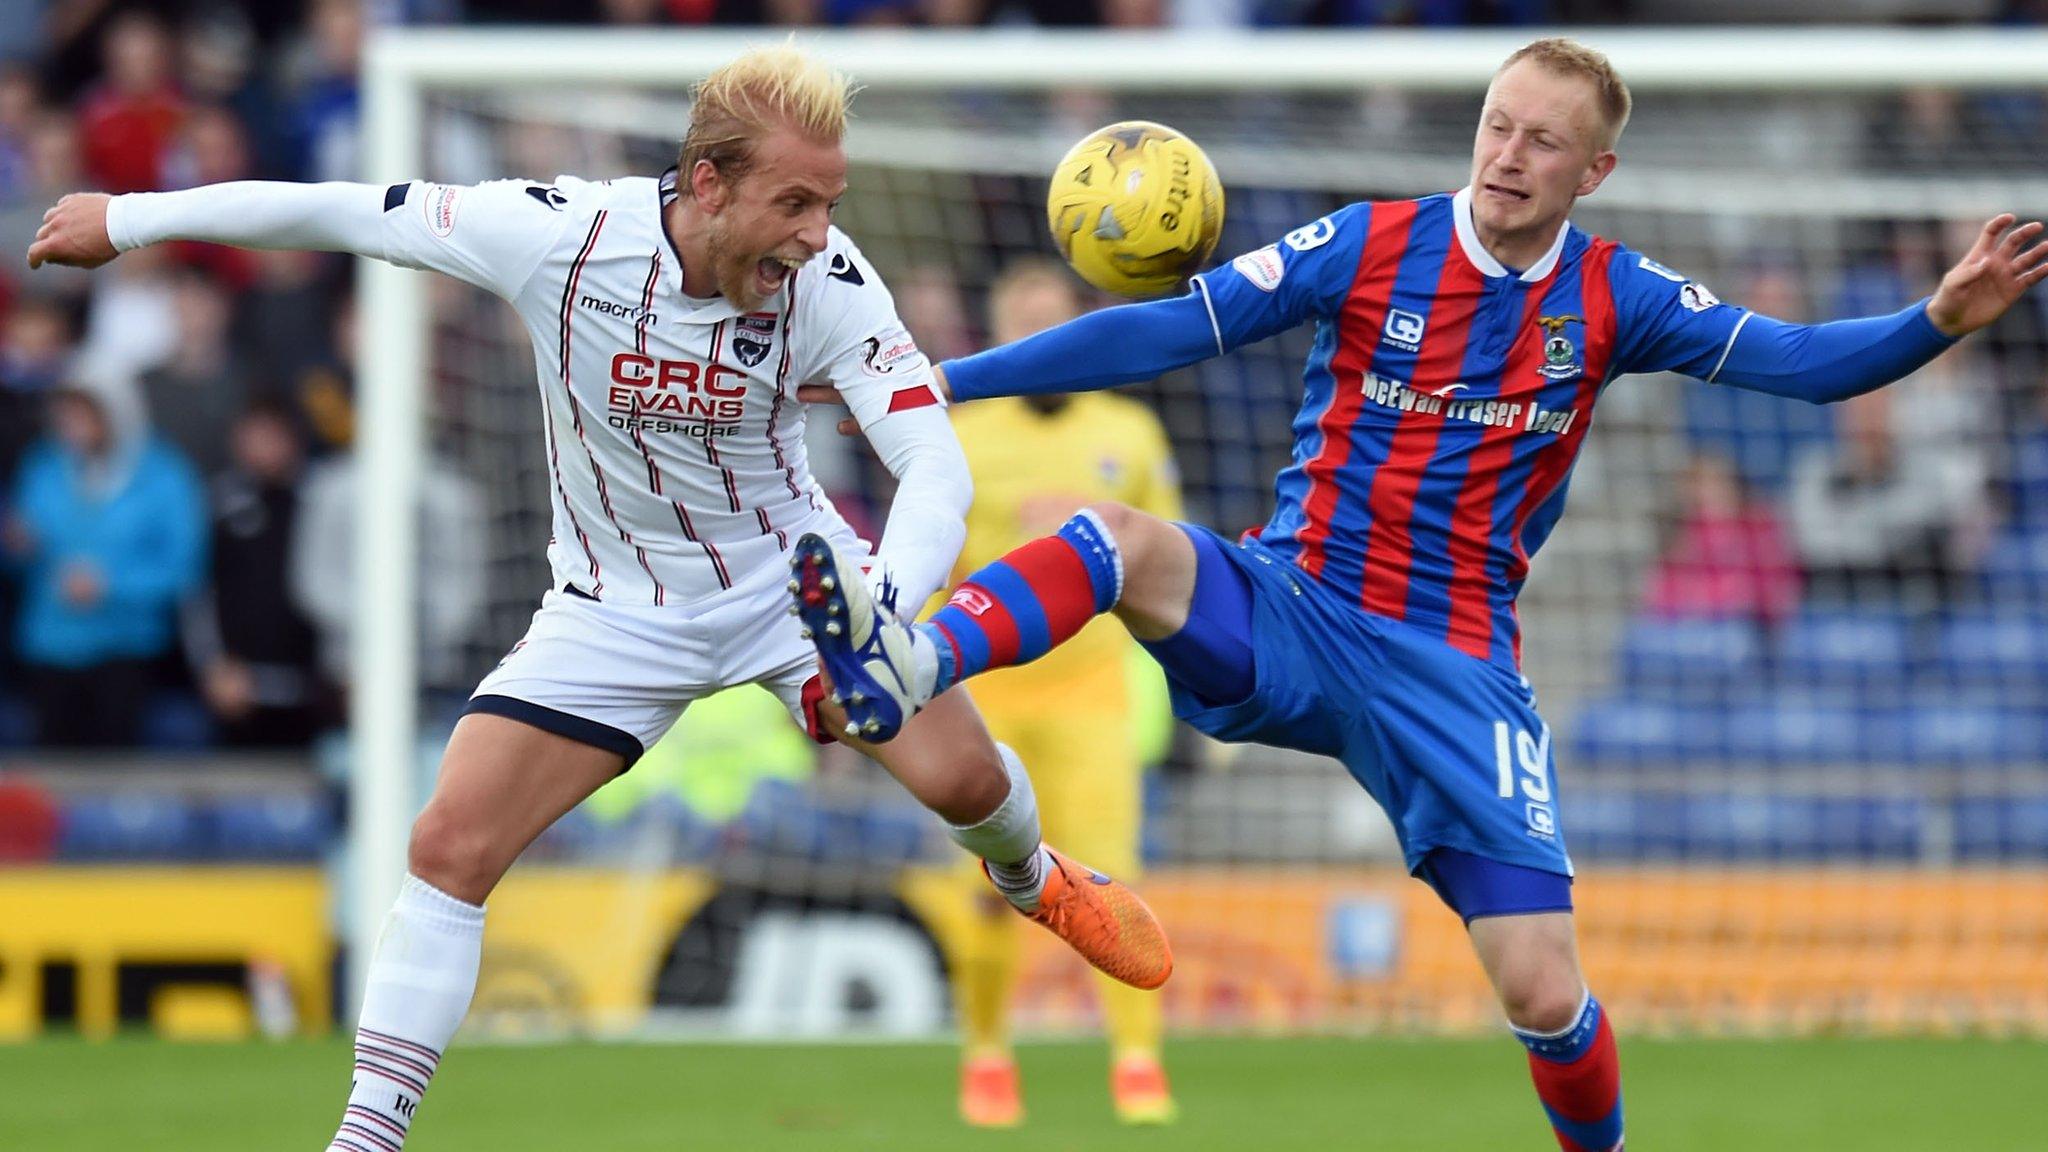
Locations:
column 87, row 229
column 1991, row 278
column 1121, row 345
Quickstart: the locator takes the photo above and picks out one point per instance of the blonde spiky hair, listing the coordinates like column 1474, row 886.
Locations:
column 765, row 88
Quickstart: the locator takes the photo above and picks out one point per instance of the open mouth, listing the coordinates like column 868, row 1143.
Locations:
column 773, row 271
column 1505, row 193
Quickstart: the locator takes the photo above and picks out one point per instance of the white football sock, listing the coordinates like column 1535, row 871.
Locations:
column 420, row 983
column 1008, row 838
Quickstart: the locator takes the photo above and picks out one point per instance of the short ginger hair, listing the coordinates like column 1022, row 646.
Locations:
column 1562, row 57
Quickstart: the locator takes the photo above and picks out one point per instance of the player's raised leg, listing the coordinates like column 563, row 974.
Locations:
column 502, row 783
column 946, row 758
column 1107, row 557
column 1533, row 963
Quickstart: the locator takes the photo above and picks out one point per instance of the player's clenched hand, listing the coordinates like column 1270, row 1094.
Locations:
column 74, row 233
column 1999, row 268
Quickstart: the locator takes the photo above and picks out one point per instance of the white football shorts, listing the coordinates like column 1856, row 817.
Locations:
column 617, row 676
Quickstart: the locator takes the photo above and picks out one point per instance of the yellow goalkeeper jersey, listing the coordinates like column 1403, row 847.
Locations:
column 1031, row 472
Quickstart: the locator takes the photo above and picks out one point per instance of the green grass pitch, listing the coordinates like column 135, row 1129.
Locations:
column 1385, row 1095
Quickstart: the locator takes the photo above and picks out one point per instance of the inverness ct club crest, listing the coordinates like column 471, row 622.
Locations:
column 751, row 338
column 1560, row 355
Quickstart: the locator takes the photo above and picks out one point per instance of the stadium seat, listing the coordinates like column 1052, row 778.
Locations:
column 2015, row 571
column 1798, row 730
column 1869, row 650
column 29, row 822
column 1694, row 659
column 1967, row 735
column 2001, row 651
column 273, row 828
column 1624, row 731
column 2005, row 829
column 134, row 826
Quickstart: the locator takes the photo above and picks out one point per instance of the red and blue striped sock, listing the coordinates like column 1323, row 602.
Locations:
column 1578, row 1079
column 1019, row 607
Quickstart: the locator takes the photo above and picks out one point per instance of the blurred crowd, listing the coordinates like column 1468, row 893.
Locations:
column 174, row 429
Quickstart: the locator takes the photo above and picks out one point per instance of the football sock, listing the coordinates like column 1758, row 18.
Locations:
column 1019, row 607
column 1578, row 1079
column 1008, row 838
column 420, row 983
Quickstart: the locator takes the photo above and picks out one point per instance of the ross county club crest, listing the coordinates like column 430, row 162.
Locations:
column 1560, row 355
column 752, row 337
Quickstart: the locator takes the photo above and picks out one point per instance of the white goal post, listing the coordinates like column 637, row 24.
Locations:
column 403, row 68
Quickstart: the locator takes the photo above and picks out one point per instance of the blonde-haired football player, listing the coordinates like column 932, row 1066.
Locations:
column 671, row 320
column 1037, row 460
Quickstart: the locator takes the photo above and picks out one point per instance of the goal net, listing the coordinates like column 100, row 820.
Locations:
column 1794, row 659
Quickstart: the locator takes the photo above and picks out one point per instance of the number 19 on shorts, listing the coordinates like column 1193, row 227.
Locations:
column 1521, row 761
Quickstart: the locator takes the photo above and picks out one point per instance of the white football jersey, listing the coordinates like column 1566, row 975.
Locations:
column 674, row 436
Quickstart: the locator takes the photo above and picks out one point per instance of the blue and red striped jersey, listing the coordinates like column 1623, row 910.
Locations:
column 1447, row 397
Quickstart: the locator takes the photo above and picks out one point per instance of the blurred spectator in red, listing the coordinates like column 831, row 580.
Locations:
column 252, row 651
column 211, row 149
column 1728, row 558
column 107, row 528
column 197, row 393
column 129, row 119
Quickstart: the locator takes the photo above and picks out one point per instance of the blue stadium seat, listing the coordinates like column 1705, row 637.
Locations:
column 1623, row 731
column 289, row 827
column 1695, row 659
column 2002, row 828
column 1966, row 735
column 1797, row 730
column 1869, row 650
column 1753, row 827
column 2015, row 571
column 134, row 826
column 2001, row 651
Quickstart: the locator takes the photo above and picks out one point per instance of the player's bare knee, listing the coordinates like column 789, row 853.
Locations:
column 1127, row 526
column 968, row 788
column 1542, row 998
column 455, row 855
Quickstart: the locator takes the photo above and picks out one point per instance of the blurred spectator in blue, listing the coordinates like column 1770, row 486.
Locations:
column 1728, row 558
column 326, row 105
column 107, row 528
column 129, row 119
column 196, row 393
column 252, row 651
column 1878, row 518
column 218, row 64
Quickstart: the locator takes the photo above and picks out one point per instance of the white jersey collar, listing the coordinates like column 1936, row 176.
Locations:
column 1468, row 239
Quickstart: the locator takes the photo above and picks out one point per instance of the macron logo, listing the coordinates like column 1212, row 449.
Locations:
column 614, row 308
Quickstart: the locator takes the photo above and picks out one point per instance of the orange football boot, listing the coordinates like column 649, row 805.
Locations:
column 989, row 1094
column 1104, row 921
column 1137, row 1087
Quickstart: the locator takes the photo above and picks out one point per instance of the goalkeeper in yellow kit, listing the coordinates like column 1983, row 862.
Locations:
column 1072, row 715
